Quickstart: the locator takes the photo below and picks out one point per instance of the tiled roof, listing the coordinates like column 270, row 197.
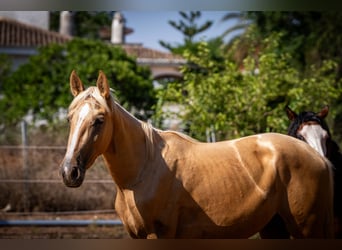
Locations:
column 137, row 50
column 17, row 34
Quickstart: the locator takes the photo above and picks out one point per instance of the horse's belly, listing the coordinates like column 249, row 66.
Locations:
column 237, row 228
column 226, row 219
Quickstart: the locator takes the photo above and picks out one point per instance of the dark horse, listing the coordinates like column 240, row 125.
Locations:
column 311, row 127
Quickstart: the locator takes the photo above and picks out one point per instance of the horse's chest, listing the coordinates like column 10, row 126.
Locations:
column 127, row 209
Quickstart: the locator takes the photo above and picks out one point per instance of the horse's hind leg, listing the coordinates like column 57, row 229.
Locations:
column 311, row 227
column 310, row 214
column 315, row 222
column 319, row 224
column 308, row 217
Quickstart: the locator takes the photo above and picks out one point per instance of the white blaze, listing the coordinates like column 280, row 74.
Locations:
column 81, row 117
column 316, row 137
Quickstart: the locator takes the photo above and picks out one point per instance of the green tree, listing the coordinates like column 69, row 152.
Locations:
column 5, row 68
column 189, row 27
column 236, row 101
column 42, row 85
column 310, row 38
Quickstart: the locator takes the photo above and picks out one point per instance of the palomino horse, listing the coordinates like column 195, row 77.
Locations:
column 311, row 128
column 172, row 186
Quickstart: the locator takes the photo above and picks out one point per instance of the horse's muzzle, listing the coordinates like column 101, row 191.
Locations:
column 72, row 176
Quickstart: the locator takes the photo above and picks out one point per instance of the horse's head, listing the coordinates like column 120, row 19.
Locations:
column 90, row 128
column 310, row 127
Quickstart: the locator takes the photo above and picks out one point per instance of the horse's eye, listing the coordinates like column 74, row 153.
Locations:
column 98, row 121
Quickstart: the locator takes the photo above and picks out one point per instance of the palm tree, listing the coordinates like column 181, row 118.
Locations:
column 241, row 23
column 239, row 42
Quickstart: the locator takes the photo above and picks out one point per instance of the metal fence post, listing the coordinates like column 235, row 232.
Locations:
column 24, row 155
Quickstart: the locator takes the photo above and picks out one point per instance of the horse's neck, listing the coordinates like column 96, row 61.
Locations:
column 126, row 154
column 292, row 130
column 334, row 153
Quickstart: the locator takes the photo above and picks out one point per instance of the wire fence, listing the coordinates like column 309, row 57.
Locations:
column 90, row 217
column 49, row 181
column 63, row 213
column 30, row 181
column 58, row 223
column 32, row 192
column 32, row 147
column 27, row 180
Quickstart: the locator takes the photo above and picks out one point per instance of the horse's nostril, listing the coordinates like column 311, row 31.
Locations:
column 75, row 173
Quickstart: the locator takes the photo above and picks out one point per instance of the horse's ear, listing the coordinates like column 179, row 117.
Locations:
column 290, row 113
column 324, row 112
column 76, row 85
column 102, row 85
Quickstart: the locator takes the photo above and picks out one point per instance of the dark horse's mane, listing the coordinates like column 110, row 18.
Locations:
column 333, row 154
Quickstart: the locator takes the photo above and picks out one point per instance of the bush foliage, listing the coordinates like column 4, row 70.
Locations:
column 41, row 86
column 236, row 100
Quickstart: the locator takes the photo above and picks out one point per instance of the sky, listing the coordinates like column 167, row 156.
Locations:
column 151, row 26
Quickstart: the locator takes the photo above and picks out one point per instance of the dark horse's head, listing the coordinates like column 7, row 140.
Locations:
column 310, row 127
